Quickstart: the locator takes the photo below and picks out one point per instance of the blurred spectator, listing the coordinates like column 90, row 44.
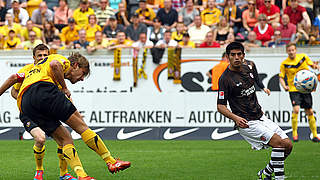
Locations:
column 210, row 16
column 20, row 15
column 263, row 30
column 242, row 4
column 52, row 4
column 178, row 4
column 168, row 16
column 287, row 29
column 220, row 34
column 276, row 40
column 82, row 13
column 146, row 12
column 26, row 30
column 61, row 14
column 104, row 13
column 188, row 13
column 314, row 36
column 70, row 32
column 250, row 16
column 120, row 42
column 56, row 45
column 209, row 42
column 143, row 42
column 220, row 4
column 317, row 22
column 11, row 25
column 132, row 6
column 42, row 14
column 122, row 15
column 48, row 32
column 233, row 16
column 114, row 4
column 299, row 16
column 94, row 4
column 186, row 43
column 12, row 42
column 198, row 31
column 133, row 31
column 3, row 11
column 8, row 3
column 32, row 42
column 156, row 32
column 92, row 27
column 178, row 34
column 273, row 13
column 259, row 3
column 166, row 41
column 73, row 4
column 308, row 4
column 98, row 43
column 82, row 43
column 252, row 41
column 110, row 31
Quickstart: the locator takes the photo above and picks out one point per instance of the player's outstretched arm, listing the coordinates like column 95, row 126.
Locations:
column 8, row 83
column 241, row 122
column 283, row 84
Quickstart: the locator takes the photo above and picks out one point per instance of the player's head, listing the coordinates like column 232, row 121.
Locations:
column 40, row 52
column 291, row 49
column 79, row 69
column 235, row 54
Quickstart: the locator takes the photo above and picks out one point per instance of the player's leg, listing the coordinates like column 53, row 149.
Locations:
column 281, row 148
column 39, row 141
column 294, row 122
column 63, row 164
column 62, row 135
column 312, row 124
column 95, row 143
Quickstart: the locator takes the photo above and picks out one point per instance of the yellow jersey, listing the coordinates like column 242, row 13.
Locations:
column 290, row 67
column 210, row 17
column 82, row 18
column 23, row 70
column 190, row 44
column 67, row 35
column 90, row 32
column 25, row 33
column 42, row 72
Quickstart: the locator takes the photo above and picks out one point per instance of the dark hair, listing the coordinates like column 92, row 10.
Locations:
column 81, row 60
column 40, row 47
column 234, row 45
column 167, row 31
column 224, row 54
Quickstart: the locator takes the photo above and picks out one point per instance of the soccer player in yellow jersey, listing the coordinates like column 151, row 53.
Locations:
column 39, row 53
column 43, row 97
column 289, row 67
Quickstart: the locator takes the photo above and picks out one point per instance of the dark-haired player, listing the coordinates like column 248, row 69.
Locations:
column 236, row 86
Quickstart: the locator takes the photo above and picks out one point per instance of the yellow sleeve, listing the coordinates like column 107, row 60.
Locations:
column 308, row 60
column 282, row 73
column 192, row 44
column 63, row 34
column 202, row 16
column 152, row 14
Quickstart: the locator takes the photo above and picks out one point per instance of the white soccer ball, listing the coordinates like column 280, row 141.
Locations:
column 305, row 81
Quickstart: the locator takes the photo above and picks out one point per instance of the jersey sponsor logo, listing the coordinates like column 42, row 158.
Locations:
column 248, row 92
column 216, row 135
column 75, row 135
column 127, row 135
column 221, row 94
column 172, row 135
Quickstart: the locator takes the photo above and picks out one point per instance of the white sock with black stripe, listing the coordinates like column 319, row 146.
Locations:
column 277, row 161
column 268, row 170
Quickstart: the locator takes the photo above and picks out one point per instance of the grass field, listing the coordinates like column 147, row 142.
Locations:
column 164, row 160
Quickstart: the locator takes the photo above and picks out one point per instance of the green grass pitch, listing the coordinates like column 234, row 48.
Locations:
column 164, row 160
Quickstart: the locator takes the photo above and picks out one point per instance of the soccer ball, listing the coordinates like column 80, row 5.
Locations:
column 305, row 81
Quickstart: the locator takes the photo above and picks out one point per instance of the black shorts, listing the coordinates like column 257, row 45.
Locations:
column 46, row 105
column 303, row 100
column 27, row 122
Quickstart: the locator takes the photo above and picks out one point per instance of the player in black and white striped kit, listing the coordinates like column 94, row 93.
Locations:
column 236, row 86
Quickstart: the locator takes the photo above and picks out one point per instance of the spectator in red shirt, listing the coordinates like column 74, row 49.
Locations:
column 287, row 29
column 273, row 13
column 299, row 16
column 209, row 41
column 263, row 30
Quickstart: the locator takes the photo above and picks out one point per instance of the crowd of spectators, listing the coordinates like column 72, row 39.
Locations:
column 109, row 24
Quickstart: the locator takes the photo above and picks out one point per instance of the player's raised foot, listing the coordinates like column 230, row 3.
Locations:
column 38, row 175
column 67, row 176
column 295, row 138
column 315, row 139
column 262, row 176
column 86, row 178
column 118, row 166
